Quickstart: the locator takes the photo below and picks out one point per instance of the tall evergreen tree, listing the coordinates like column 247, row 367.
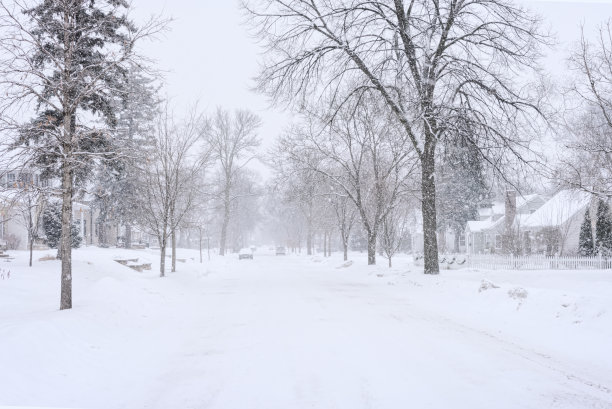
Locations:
column 585, row 241
column 461, row 185
column 117, row 194
column 603, row 229
column 69, row 57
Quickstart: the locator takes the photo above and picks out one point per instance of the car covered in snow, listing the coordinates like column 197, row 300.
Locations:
column 245, row 254
column 280, row 251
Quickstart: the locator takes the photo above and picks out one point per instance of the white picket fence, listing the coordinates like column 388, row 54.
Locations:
column 538, row 262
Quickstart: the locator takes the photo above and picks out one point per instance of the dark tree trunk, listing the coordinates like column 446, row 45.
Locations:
column 128, row 236
column 428, row 188
column 371, row 249
column 345, row 250
column 31, row 248
column 173, row 238
column 65, row 240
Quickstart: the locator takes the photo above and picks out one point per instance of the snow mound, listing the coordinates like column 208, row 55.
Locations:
column 486, row 285
column 517, row 293
column 346, row 264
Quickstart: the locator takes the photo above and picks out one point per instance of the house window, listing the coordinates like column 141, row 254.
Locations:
column 10, row 180
column 462, row 239
column 25, row 179
column 498, row 241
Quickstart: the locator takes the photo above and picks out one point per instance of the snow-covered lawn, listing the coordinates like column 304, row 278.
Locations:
column 300, row 332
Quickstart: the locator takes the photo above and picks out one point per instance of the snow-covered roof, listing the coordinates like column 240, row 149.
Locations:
column 475, row 226
column 559, row 209
column 498, row 208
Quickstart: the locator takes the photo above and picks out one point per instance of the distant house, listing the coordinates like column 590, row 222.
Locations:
column 14, row 210
column 555, row 227
column 538, row 226
column 486, row 235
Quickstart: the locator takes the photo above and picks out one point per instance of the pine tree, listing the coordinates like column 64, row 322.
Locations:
column 603, row 229
column 70, row 56
column 585, row 241
column 117, row 194
column 461, row 185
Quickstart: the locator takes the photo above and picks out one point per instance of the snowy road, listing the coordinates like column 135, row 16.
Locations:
column 278, row 333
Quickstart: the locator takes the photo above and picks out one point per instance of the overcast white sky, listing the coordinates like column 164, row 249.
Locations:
column 210, row 57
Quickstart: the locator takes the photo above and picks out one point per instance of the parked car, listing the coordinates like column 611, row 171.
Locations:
column 245, row 254
column 280, row 251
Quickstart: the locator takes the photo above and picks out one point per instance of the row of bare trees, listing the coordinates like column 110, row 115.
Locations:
column 438, row 68
column 355, row 168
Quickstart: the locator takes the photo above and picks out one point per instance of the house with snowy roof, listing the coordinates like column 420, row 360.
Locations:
column 538, row 226
column 486, row 236
column 555, row 227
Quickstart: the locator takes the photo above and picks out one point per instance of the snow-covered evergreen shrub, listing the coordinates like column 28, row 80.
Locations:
column 585, row 241
column 603, row 229
column 52, row 225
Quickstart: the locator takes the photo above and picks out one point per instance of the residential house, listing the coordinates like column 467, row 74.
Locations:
column 14, row 208
column 555, row 227
column 498, row 221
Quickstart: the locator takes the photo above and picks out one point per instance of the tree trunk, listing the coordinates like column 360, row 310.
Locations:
column 128, row 236
column 162, row 261
column 428, row 189
column 389, row 261
column 200, row 242
column 371, row 249
column 442, row 240
column 66, row 245
column 173, row 250
column 31, row 248
column 345, row 249
column 226, row 220
column 324, row 244
column 173, row 238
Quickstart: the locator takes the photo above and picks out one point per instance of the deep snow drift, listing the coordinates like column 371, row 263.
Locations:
column 302, row 332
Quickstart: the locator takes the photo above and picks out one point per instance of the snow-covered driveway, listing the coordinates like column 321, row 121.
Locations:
column 292, row 332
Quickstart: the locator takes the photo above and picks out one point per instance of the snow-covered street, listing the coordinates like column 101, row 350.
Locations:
column 299, row 332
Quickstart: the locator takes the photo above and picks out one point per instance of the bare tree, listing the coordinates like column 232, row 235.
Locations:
column 233, row 139
column 588, row 164
column 362, row 153
column 30, row 205
column 394, row 231
column 435, row 64
column 346, row 214
column 168, row 178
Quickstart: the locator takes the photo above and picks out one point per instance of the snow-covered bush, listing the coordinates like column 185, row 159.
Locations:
column 52, row 225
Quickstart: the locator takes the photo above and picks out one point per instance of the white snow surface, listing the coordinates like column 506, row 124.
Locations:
column 301, row 332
